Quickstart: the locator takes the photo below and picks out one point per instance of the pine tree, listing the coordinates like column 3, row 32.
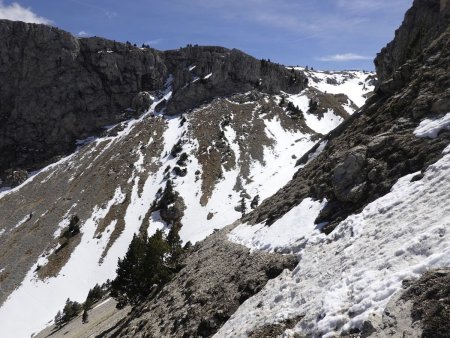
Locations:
column 142, row 269
column 157, row 249
column 313, row 104
column 175, row 245
column 168, row 197
column 125, row 287
column 254, row 202
column 71, row 310
column 85, row 317
column 94, row 295
column 58, row 320
column 243, row 206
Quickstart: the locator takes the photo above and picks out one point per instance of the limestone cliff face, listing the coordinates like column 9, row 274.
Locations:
column 55, row 88
column 202, row 73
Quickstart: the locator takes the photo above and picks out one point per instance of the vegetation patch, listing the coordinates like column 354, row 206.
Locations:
column 148, row 265
column 67, row 242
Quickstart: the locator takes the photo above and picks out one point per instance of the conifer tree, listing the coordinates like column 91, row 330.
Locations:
column 71, row 310
column 175, row 245
column 142, row 269
column 254, row 202
column 125, row 287
column 58, row 320
column 243, row 206
column 157, row 249
column 85, row 317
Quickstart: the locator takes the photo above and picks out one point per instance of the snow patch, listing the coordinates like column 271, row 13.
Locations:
column 288, row 234
column 323, row 125
column 432, row 128
column 75, row 279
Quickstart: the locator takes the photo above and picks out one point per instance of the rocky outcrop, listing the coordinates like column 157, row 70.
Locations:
column 421, row 309
column 55, row 88
column 141, row 102
column 348, row 178
column 422, row 24
column 202, row 73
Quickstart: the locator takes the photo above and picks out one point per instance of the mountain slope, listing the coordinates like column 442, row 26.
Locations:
column 378, row 189
column 388, row 239
column 218, row 157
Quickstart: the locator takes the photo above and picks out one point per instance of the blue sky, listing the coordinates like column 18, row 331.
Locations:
column 325, row 34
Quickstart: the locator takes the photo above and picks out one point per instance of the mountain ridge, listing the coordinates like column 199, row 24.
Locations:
column 84, row 84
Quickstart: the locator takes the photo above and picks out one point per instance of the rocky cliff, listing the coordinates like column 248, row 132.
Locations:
column 203, row 73
column 422, row 24
column 56, row 88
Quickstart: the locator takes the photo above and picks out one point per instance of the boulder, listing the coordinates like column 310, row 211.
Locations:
column 15, row 177
column 141, row 102
column 349, row 176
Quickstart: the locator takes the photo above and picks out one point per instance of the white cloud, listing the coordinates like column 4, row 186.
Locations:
column 82, row 33
column 16, row 12
column 110, row 14
column 344, row 57
column 369, row 5
column 153, row 42
column 329, row 19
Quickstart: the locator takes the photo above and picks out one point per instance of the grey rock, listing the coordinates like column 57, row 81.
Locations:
column 332, row 81
column 421, row 309
column 349, row 175
column 378, row 143
column 419, row 28
column 15, row 177
column 141, row 102
column 232, row 71
column 442, row 105
column 56, row 88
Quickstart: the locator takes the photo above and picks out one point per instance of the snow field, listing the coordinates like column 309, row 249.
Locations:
column 352, row 83
column 343, row 278
column 40, row 300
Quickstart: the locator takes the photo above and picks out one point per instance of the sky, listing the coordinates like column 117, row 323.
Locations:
column 324, row 34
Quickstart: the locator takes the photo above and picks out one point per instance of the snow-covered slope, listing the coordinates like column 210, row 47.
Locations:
column 236, row 148
column 357, row 85
column 344, row 278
